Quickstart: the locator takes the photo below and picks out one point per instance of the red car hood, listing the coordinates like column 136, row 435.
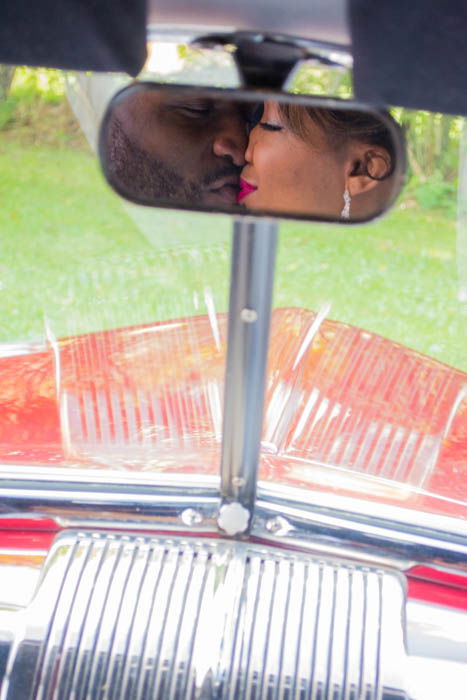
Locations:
column 150, row 398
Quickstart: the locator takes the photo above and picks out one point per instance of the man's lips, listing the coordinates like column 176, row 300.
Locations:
column 245, row 190
column 226, row 188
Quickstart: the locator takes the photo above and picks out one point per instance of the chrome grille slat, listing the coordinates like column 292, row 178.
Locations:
column 141, row 617
column 93, row 622
column 73, row 640
column 59, row 623
column 135, row 663
column 158, row 626
column 125, row 621
column 109, row 620
column 171, row 634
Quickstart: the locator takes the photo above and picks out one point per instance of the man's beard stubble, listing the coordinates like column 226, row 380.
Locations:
column 148, row 179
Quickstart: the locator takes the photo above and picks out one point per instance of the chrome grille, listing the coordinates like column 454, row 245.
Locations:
column 139, row 617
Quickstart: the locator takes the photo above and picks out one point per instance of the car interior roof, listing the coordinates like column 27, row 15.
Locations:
column 410, row 54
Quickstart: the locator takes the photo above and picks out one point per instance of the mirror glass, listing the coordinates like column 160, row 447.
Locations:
column 250, row 153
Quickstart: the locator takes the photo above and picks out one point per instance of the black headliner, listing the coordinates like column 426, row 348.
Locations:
column 103, row 35
column 411, row 53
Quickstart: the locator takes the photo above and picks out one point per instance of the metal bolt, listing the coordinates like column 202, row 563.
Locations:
column 191, row 517
column 278, row 526
column 248, row 315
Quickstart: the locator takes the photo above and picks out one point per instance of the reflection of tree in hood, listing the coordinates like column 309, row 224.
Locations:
column 140, row 176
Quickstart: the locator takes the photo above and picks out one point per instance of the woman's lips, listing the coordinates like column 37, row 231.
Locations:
column 245, row 190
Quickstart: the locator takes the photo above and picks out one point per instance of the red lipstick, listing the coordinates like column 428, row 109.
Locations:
column 245, row 190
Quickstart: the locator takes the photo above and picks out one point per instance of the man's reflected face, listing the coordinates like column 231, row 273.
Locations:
column 176, row 147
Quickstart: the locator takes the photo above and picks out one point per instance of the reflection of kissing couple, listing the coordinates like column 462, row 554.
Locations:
column 184, row 148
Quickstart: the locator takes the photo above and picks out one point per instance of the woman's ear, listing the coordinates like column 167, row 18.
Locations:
column 367, row 167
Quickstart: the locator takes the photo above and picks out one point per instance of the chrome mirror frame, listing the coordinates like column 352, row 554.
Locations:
column 253, row 95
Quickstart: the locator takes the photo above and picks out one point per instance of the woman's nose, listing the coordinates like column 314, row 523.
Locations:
column 250, row 146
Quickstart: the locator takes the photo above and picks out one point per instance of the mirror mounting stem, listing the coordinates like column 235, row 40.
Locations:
column 251, row 286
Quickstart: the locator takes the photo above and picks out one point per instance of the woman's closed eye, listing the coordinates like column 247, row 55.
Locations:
column 267, row 126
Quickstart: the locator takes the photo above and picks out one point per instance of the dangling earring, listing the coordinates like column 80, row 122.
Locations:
column 345, row 213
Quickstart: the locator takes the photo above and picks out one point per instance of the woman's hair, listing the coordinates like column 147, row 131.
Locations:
column 341, row 126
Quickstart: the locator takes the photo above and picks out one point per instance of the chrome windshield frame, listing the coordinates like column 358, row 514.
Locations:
column 188, row 505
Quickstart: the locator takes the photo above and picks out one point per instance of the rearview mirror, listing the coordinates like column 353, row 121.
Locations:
column 251, row 153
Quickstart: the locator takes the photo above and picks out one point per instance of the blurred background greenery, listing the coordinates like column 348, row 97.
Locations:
column 69, row 250
column 36, row 98
column 432, row 140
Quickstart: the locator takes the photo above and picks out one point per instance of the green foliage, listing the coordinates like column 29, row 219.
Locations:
column 7, row 111
column 6, row 76
column 435, row 193
column 46, row 84
column 432, row 143
column 37, row 111
column 188, row 53
column 30, row 91
column 310, row 79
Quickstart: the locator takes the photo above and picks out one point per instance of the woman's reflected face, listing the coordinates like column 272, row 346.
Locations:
column 284, row 172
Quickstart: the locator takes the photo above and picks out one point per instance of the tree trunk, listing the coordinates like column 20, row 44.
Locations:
column 6, row 77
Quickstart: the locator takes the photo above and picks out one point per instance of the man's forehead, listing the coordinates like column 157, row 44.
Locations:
column 159, row 102
column 143, row 101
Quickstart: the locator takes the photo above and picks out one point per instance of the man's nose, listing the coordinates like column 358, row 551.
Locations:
column 230, row 142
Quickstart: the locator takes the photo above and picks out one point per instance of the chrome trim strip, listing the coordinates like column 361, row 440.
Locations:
column 128, row 487
column 39, row 473
column 340, row 534
column 314, row 522
column 115, row 505
column 285, row 517
column 361, row 507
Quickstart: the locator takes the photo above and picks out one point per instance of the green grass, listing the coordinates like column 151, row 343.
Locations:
column 396, row 277
column 70, row 250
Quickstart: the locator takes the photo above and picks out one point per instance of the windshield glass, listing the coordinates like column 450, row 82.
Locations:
column 371, row 396
column 113, row 316
column 113, row 331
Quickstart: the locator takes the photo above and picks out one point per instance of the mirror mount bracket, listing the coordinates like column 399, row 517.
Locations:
column 250, row 303
column 263, row 61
